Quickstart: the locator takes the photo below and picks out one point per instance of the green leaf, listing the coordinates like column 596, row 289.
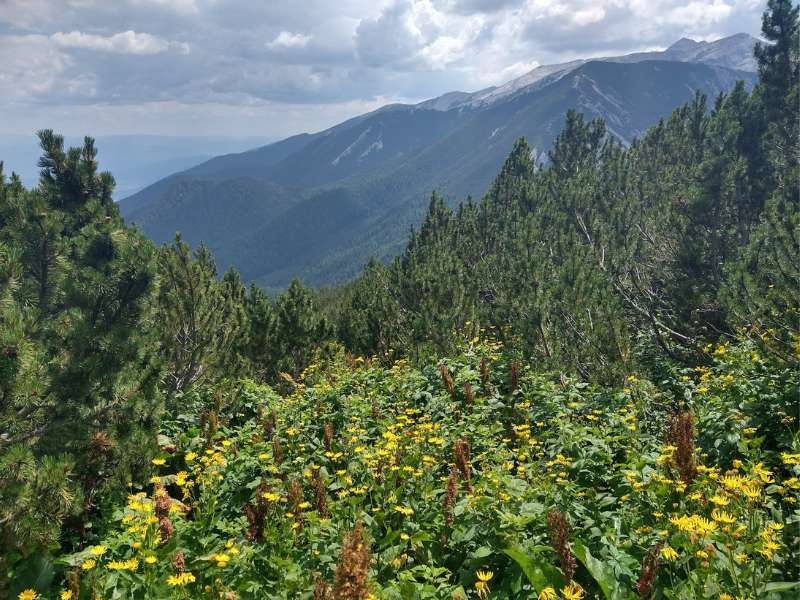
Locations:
column 602, row 573
column 540, row 573
column 781, row 586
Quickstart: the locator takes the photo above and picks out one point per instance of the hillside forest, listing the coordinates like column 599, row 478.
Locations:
column 582, row 385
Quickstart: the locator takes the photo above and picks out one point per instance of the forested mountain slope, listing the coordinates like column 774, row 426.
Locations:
column 320, row 205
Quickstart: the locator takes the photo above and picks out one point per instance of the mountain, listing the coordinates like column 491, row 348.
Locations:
column 319, row 205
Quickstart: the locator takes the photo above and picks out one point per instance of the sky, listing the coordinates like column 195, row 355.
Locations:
column 278, row 67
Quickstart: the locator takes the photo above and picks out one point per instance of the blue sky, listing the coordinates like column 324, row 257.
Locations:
column 277, row 67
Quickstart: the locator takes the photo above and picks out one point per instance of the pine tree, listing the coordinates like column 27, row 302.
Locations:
column 261, row 348
column 764, row 284
column 78, row 382
column 300, row 328
column 202, row 320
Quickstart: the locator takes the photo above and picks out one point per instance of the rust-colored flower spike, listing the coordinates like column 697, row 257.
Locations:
column 277, row 451
column 327, row 436
column 212, row 424
column 558, row 528
column 162, row 501
column 352, row 572
column 74, row 581
column 461, row 450
column 256, row 513
column 450, row 501
column 647, row 576
column 320, row 497
column 484, row 375
column 166, row 529
column 322, row 591
column 514, row 376
column 294, row 494
column 469, row 397
column 179, row 562
column 447, row 379
column 681, row 435
column 269, row 425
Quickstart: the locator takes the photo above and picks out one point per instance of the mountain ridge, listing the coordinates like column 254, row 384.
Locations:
column 353, row 190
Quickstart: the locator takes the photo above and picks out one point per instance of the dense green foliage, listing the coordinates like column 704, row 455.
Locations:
column 609, row 256
column 622, row 337
column 78, row 387
column 455, row 470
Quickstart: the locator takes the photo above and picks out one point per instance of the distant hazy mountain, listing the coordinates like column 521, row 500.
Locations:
column 135, row 160
column 319, row 205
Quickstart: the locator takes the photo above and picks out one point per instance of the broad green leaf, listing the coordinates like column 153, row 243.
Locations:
column 603, row 574
column 781, row 586
column 540, row 573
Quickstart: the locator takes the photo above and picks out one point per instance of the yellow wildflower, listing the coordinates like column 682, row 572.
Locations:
column 158, row 461
column 548, row 593
column 790, row 459
column 763, row 474
column 669, row 553
column 482, row 585
column 98, row 550
column 221, row 560
column 722, row 517
column 719, row 500
column 88, row 564
column 28, row 594
column 181, row 579
column 752, row 491
column 572, row 592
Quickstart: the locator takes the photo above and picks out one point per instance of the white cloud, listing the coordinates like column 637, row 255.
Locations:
column 31, row 67
column 416, row 34
column 699, row 14
column 286, row 39
column 125, row 42
column 179, row 6
column 589, row 15
column 310, row 54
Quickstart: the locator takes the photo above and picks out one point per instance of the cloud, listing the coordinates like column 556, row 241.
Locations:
column 415, row 34
column 286, row 39
column 126, row 57
column 31, row 68
column 180, row 6
column 696, row 14
column 125, row 42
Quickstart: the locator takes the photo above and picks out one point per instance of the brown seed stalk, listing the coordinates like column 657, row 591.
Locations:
column 647, row 576
column 558, row 528
column 352, row 571
column 461, row 451
column 447, row 379
column 469, row 397
column 680, row 434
